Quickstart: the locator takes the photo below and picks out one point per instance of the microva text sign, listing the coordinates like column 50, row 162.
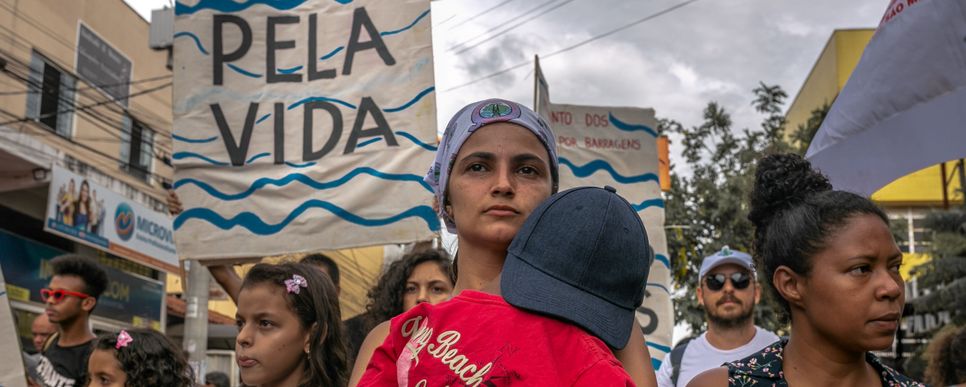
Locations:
column 89, row 213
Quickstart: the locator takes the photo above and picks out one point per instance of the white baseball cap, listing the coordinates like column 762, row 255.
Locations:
column 726, row 255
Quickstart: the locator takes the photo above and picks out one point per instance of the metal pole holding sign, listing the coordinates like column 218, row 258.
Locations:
column 196, row 318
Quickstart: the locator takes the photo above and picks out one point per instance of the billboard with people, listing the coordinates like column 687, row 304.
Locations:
column 84, row 211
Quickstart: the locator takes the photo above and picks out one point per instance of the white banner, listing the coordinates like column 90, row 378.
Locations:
column 617, row 146
column 12, row 372
column 91, row 214
column 302, row 125
column 903, row 107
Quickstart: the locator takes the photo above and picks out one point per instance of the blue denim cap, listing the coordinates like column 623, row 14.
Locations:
column 470, row 118
column 582, row 256
column 726, row 255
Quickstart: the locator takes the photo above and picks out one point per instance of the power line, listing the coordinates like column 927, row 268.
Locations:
column 44, row 132
column 117, row 108
column 491, row 9
column 508, row 29
column 94, row 87
column 501, row 24
column 92, row 105
column 591, row 39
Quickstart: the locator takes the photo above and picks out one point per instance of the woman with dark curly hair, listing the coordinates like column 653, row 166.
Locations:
column 947, row 357
column 422, row 276
column 831, row 261
column 138, row 357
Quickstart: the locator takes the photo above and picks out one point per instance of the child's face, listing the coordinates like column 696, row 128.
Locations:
column 104, row 369
column 271, row 345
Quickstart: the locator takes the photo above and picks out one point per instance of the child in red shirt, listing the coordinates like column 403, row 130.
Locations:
column 577, row 266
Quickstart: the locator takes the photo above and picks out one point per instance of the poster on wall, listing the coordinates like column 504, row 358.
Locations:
column 302, row 125
column 88, row 213
column 617, row 146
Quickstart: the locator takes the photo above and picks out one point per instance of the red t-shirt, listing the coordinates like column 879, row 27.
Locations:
column 477, row 339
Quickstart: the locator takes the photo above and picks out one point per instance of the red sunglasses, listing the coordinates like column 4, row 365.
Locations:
column 57, row 295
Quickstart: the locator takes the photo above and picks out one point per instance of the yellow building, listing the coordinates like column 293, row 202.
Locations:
column 908, row 199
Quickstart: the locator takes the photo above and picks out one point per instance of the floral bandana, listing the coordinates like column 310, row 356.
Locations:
column 472, row 117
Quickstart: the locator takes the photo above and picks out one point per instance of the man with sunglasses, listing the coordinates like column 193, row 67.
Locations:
column 728, row 292
column 70, row 298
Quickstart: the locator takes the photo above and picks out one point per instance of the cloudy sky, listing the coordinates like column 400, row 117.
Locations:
column 705, row 50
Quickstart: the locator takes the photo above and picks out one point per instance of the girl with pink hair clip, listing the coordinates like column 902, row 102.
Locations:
column 137, row 357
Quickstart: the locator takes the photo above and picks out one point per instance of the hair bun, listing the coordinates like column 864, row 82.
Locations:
column 782, row 181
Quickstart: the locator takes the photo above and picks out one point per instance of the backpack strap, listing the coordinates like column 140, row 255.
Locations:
column 50, row 341
column 676, row 355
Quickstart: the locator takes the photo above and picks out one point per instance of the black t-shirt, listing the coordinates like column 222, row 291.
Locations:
column 355, row 332
column 64, row 366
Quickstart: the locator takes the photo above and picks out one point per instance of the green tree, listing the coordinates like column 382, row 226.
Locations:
column 802, row 136
column 945, row 272
column 707, row 206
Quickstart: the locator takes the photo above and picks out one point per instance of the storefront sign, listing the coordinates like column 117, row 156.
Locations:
column 129, row 298
column 88, row 213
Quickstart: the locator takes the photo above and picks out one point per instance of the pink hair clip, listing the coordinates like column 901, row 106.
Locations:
column 295, row 284
column 123, row 339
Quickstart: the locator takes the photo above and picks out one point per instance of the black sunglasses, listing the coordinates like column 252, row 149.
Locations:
column 739, row 280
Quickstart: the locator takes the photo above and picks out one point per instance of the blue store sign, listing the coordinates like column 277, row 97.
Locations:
column 129, row 299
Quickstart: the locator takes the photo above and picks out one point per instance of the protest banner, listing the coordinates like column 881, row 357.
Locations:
column 86, row 212
column 902, row 108
column 302, row 125
column 617, row 146
column 12, row 372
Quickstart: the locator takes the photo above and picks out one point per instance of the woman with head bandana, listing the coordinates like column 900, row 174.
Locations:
column 496, row 163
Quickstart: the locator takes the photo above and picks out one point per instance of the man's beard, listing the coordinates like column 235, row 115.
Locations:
column 729, row 322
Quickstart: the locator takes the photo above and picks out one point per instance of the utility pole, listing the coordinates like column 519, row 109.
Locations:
column 195, row 341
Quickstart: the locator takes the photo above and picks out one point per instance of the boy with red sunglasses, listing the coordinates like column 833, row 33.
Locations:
column 728, row 293
column 70, row 298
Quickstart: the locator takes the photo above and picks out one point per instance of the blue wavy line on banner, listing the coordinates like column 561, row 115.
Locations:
column 393, row 32
column 256, row 225
column 190, row 155
column 655, row 284
column 656, row 364
column 384, row 33
column 303, row 165
column 327, row 99
column 408, row 136
column 415, row 140
column 301, row 178
column 659, row 347
column 193, row 37
column 331, row 54
column 412, row 101
column 258, row 156
column 234, row 6
column 367, row 142
column 289, row 71
column 263, row 118
column 243, row 71
column 596, row 165
column 649, row 203
column 630, row 127
column 193, row 140
column 662, row 259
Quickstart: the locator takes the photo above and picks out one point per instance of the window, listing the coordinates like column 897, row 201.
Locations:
column 922, row 236
column 50, row 95
column 137, row 148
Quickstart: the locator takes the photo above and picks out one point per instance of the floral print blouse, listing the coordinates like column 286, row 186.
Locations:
column 765, row 369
